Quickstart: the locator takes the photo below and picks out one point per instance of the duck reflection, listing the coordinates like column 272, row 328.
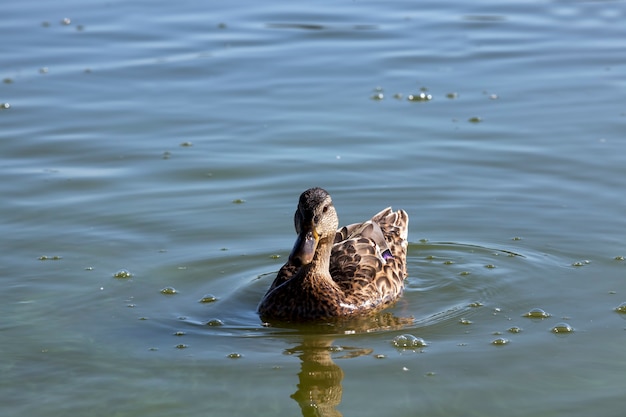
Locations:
column 319, row 390
column 319, row 380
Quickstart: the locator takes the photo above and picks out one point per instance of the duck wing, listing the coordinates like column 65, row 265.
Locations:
column 285, row 273
column 368, row 260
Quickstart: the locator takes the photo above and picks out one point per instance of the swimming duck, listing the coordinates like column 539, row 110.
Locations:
column 333, row 273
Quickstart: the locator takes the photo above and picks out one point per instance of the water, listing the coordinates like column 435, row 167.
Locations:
column 171, row 140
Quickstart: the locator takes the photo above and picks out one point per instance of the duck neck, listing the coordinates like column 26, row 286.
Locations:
column 319, row 267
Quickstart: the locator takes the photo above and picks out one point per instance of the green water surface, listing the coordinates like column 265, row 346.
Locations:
column 151, row 159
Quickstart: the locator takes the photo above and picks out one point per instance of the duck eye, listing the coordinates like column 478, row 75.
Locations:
column 325, row 209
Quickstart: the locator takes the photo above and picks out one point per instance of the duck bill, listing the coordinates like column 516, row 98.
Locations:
column 304, row 249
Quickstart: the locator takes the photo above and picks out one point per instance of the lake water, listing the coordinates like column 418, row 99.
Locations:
column 155, row 146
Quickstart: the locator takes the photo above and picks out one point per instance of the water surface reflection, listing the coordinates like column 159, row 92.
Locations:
column 319, row 380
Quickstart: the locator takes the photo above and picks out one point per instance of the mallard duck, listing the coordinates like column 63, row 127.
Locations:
column 333, row 273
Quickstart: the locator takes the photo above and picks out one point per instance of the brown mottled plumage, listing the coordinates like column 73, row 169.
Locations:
column 333, row 273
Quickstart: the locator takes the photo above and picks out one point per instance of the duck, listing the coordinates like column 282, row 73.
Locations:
column 335, row 273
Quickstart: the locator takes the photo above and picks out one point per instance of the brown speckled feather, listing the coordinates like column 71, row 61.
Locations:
column 365, row 272
column 370, row 265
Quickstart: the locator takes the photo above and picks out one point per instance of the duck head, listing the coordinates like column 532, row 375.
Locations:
column 315, row 221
